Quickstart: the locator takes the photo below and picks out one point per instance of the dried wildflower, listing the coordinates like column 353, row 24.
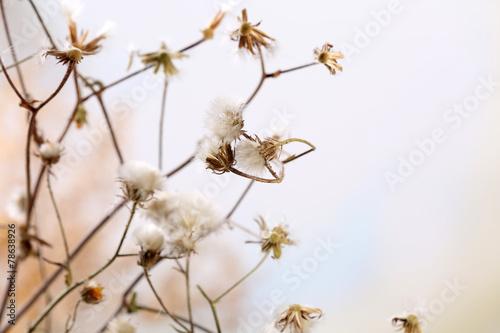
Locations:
column 150, row 238
column 208, row 32
column 162, row 57
column 409, row 324
column 121, row 325
column 225, row 118
column 255, row 155
column 92, row 293
column 273, row 239
column 217, row 156
column 248, row 36
column 294, row 316
column 50, row 152
column 80, row 117
column 328, row 58
column 185, row 217
column 140, row 180
column 17, row 204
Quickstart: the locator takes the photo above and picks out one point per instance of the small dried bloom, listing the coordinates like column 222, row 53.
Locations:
column 162, row 58
column 17, row 204
column 328, row 58
column 409, row 324
column 225, row 118
column 121, row 325
column 150, row 238
column 50, row 152
column 217, row 156
column 208, row 32
column 273, row 239
column 248, row 36
column 140, row 180
column 80, row 117
column 295, row 316
column 92, row 293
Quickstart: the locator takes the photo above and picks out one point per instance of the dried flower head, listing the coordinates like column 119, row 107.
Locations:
column 273, row 239
column 217, row 156
column 294, row 316
column 162, row 58
column 409, row 324
column 255, row 155
column 120, row 325
column 92, row 293
column 208, row 32
column 77, row 46
column 140, row 180
column 248, row 36
column 80, row 117
column 185, row 217
column 328, row 58
column 225, row 118
column 50, row 152
column 150, row 238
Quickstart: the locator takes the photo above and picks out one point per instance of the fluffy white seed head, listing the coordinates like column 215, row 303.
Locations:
column 50, row 152
column 225, row 118
column 140, row 180
column 17, row 205
column 71, row 9
column 249, row 158
column 207, row 147
column 150, row 237
column 120, row 325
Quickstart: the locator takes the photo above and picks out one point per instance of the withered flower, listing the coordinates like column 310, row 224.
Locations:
column 221, row 160
column 208, row 32
column 92, row 293
column 273, row 239
column 77, row 48
column 409, row 324
column 328, row 58
column 162, row 57
column 248, row 35
column 294, row 316
column 80, row 117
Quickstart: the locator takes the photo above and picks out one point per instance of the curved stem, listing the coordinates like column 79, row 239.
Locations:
column 69, row 277
column 43, row 24
column 215, row 301
column 24, row 102
column 259, row 179
column 162, row 119
column 188, row 294
column 161, row 302
column 160, row 311
column 262, row 78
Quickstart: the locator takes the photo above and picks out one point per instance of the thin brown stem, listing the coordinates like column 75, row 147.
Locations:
column 111, row 131
column 69, row 277
column 180, row 167
column 212, row 306
column 162, row 119
column 160, row 311
column 24, row 102
column 161, row 302
column 240, row 199
column 70, row 323
column 43, row 24
column 188, row 293
column 283, row 71
column 12, row 50
column 71, row 65
column 259, row 179
column 18, row 63
column 262, row 78
column 192, row 45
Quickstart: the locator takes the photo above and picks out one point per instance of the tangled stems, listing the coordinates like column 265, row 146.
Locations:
column 66, row 292
column 213, row 302
column 69, row 276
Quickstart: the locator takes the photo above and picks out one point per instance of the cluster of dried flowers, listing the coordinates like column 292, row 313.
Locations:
column 176, row 221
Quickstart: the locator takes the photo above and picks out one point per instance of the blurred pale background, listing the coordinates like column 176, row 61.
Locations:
column 397, row 248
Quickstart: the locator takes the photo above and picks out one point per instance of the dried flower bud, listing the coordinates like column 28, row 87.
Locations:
column 248, row 36
column 208, row 32
column 50, row 152
column 409, row 324
column 150, row 238
column 328, row 58
column 217, row 157
column 140, row 180
column 80, row 117
column 162, row 58
column 273, row 239
column 295, row 317
column 92, row 293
